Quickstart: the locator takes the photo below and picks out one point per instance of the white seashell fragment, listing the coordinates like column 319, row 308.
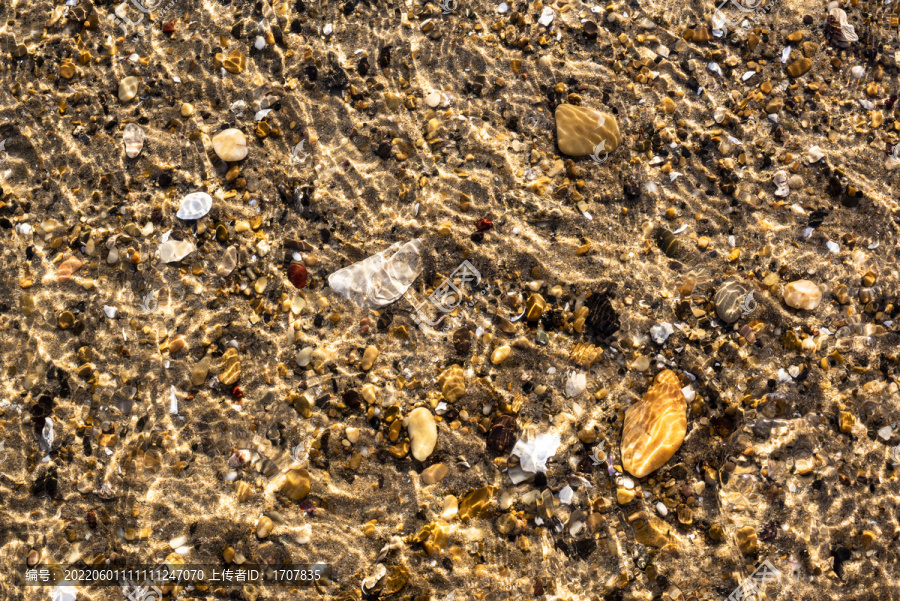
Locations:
column 843, row 33
column 533, row 454
column 175, row 250
column 785, row 54
column 546, row 16
column 815, row 154
column 382, row 278
column 575, row 384
column 110, row 311
column 194, row 206
column 133, row 137
column 781, row 184
column 661, row 332
column 47, row 435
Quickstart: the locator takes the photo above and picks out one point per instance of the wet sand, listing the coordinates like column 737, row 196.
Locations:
column 370, row 124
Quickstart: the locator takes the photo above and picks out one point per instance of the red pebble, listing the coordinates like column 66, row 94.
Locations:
column 484, row 225
column 236, row 392
column 169, row 27
column 308, row 507
column 298, row 275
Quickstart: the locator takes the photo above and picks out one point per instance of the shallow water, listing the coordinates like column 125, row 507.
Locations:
column 791, row 437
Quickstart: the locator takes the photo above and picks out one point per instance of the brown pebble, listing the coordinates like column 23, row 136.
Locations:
column 799, row 67
column 434, row 474
column 368, row 359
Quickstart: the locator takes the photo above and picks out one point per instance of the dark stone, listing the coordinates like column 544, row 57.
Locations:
column 384, row 57
column 502, row 434
column 384, row 150
column 602, row 320
column 840, row 555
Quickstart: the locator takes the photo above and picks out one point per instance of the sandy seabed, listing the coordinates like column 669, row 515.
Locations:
column 212, row 410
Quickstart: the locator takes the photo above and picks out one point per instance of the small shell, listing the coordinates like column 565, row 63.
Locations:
column 781, row 184
column 133, row 136
column 239, row 458
column 815, row 154
column 842, row 33
column 194, row 206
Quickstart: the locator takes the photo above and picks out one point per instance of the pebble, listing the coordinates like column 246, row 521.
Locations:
column 172, row 251
column 201, row 370
column 799, row 67
column 534, row 307
column 227, row 262
column 297, row 275
column 297, row 484
column 133, row 138
column 641, row 363
column 66, row 320
column 452, row 383
column 500, row 354
column 654, row 427
column 582, row 131
column 433, row 99
column 128, row 88
column 230, row 370
column 230, row 145
column 729, row 298
column 624, row 496
column 747, row 540
column 422, row 433
column 176, row 345
column 368, row 359
column 264, row 527
column 802, row 294
column 68, row 267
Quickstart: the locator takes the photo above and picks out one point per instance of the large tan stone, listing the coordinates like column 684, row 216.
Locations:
column 802, row 294
column 422, row 433
column 654, row 427
column 230, row 145
column 579, row 131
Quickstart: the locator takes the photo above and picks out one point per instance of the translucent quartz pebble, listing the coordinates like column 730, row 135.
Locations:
column 175, row 250
column 227, row 262
column 194, row 206
column 382, row 278
column 133, row 137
